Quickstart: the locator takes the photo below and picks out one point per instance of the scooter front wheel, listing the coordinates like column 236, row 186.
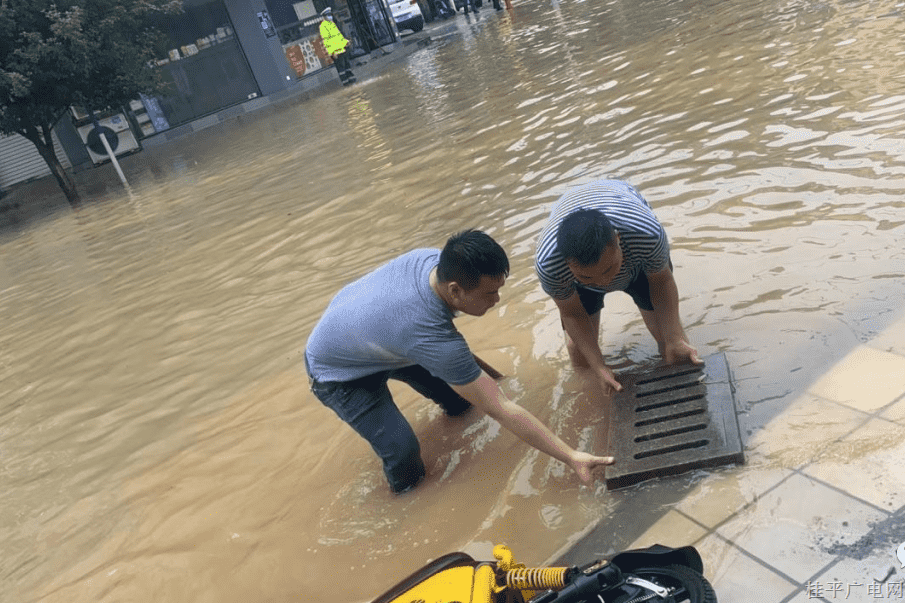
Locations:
column 682, row 585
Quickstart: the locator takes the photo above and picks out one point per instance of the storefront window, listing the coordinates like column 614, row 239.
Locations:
column 204, row 65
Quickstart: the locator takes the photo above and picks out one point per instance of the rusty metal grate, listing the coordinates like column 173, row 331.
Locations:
column 668, row 420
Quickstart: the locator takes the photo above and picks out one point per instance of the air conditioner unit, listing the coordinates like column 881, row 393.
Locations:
column 123, row 139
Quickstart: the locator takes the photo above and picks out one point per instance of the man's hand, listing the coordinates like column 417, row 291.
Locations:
column 608, row 380
column 680, row 351
column 585, row 464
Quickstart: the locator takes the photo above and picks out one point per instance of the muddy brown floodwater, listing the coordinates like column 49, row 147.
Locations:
column 157, row 436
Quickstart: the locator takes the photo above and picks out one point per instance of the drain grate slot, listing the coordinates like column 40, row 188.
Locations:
column 673, row 417
column 679, row 373
column 649, row 407
column 663, row 390
column 671, row 432
column 668, row 420
column 666, row 386
column 671, row 449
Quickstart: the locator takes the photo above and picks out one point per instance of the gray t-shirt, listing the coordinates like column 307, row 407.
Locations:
column 389, row 319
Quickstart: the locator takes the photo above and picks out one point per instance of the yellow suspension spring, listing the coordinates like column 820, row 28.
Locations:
column 537, row 578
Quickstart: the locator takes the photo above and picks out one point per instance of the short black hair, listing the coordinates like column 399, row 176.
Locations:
column 583, row 236
column 469, row 255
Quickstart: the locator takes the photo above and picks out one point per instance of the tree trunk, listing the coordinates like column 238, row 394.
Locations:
column 44, row 144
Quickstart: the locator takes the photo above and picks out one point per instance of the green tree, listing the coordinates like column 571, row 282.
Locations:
column 94, row 54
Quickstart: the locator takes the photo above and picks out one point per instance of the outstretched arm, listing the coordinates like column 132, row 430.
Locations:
column 486, row 395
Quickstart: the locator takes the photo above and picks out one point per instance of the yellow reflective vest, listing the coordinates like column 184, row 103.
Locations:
column 334, row 42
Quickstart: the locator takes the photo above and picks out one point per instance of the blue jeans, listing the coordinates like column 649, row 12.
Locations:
column 367, row 406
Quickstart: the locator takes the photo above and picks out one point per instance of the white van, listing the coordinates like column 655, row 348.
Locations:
column 407, row 14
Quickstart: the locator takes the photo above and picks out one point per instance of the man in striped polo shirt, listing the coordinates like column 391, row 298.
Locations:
column 604, row 237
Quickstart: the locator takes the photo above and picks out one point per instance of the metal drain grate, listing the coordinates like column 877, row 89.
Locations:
column 672, row 419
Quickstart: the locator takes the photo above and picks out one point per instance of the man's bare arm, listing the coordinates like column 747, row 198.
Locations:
column 664, row 295
column 580, row 328
column 485, row 394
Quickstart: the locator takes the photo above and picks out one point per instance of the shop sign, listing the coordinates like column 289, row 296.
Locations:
column 296, row 57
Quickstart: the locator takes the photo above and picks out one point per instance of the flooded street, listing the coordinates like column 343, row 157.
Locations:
column 158, row 440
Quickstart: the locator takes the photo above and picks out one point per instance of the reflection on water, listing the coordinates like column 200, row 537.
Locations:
column 158, row 439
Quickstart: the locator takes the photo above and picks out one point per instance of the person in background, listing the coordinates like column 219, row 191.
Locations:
column 603, row 237
column 442, row 9
column 469, row 3
column 335, row 43
column 397, row 323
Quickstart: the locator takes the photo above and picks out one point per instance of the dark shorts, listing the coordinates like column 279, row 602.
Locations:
column 639, row 289
column 367, row 406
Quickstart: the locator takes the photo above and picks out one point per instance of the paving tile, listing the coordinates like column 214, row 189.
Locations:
column 720, row 495
column 797, row 435
column 736, row 578
column 892, row 339
column 867, row 464
column 673, row 529
column 896, row 412
column 867, row 379
column 877, row 577
column 787, row 524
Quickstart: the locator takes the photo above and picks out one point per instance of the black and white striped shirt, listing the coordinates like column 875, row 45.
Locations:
column 642, row 238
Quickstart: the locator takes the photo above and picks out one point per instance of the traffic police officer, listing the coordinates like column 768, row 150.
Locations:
column 335, row 44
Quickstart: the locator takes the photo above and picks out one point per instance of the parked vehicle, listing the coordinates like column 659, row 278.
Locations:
column 657, row 574
column 407, row 14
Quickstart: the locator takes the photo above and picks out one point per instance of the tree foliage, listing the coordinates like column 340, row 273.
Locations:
column 94, row 54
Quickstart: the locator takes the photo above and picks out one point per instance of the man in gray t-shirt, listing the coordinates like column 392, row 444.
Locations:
column 397, row 323
column 603, row 237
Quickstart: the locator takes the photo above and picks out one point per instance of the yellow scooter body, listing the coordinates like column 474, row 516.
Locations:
column 454, row 577
column 461, row 584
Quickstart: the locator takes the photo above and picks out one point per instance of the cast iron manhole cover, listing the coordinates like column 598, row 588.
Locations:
column 672, row 419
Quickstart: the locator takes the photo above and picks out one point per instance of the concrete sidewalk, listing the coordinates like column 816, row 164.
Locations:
column 815, row 514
